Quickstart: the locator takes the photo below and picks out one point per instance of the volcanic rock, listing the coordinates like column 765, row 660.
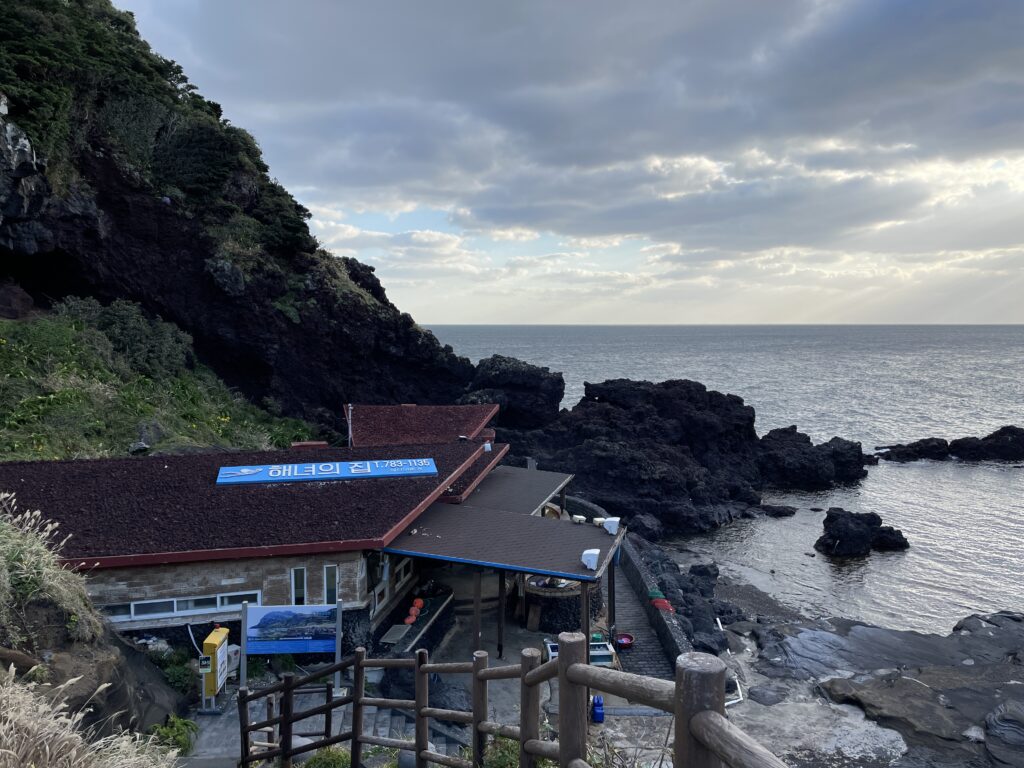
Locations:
column 1005, row 444
column 647, row 526
column 778, row 510
column 790, row 460
column 529, row 395
column 934, row 448
column 850, row 534
column 687, row 455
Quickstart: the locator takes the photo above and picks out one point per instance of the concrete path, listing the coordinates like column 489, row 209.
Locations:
column 647, row 656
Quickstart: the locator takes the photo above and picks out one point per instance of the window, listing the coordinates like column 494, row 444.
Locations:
column 195, row 604
column 153, row 607
column 330, row 584
column 403, row 572
column 240, row 597
column 298, row 586
column 182, row 606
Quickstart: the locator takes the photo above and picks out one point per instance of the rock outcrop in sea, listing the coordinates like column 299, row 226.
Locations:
column 1005, row 444
column 852, row 534
column 679, row 453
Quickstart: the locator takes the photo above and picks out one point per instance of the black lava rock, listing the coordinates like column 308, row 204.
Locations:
column 850, row 534
column 648, row 526
column 778, row 510
column 529, row 395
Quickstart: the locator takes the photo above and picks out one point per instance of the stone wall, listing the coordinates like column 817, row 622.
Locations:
column 270, row 575
column 671, row 635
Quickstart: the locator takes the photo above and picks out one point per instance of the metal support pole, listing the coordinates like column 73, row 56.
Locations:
column 501, row 614
column 585, row 617
column 337, row 641
column 572, row 701
column 477, row 609
column 243, row 667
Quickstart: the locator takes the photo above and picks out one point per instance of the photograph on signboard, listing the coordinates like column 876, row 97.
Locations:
column 273, row 629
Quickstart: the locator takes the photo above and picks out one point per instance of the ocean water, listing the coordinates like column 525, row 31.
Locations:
column 875, row 384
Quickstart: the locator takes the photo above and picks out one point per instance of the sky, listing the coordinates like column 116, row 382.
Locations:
column 685, row 161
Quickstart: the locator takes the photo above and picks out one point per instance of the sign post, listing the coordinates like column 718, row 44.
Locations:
column 213, row 663
column 337, row 650
column 243, row 668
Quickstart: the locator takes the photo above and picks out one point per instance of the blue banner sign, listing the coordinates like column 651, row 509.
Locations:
column 328, row 470
column 272, row 629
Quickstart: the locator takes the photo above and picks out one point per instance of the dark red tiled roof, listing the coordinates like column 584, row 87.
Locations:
column 471, row 478
column 417, row 424
column 168, row 508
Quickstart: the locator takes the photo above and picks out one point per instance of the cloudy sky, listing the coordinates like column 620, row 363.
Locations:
column 698, row 161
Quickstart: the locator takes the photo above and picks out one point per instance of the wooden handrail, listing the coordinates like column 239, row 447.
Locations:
column 543, row 673
column 507, row 672
column 449, row 760
column 452, row 715
column 730, row 743
column 450, row 667
column 388, row 664
column 659, row 694
column 368, row 701
column 539, row 748
column 381, row 741
column 704, row 738
column 497, row 729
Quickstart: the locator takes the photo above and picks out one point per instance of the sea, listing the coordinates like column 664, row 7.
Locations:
column 876, row 384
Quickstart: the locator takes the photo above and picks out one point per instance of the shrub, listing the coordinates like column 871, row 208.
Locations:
column 39, row 731
column 30, row 571
column 256, row 666
column 332, row 757
column 181, row 678
column 177, row 733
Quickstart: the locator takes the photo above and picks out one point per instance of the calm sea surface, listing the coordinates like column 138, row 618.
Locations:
column 876, row 384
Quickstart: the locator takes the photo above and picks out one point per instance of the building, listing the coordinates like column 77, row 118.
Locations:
column 172, row 540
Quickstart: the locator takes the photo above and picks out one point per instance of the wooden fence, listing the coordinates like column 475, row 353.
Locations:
column 704, row 738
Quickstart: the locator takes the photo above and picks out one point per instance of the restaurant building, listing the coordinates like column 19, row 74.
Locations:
column 172, row 540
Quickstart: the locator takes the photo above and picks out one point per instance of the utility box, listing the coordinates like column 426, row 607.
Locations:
column 216, row 647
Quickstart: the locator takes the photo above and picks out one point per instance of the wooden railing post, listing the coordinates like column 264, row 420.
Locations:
column 287, row 707
column 572, row 701
column 358, row 691
column 529, row 706
column 700, row 685
column 243, row 719
column 479, row 707
column 422, row 702
column 274, row 730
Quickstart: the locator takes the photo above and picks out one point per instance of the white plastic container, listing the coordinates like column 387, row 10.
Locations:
column 590, row 557
column 611, row 524
column 599, row 521
column 579, row 519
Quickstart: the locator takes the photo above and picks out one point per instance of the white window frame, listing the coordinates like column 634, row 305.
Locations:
column 337, row 586
column 403, row 573
column 131, row 616
column 305, row 583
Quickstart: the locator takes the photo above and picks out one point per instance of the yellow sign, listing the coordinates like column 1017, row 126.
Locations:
column 216, row 647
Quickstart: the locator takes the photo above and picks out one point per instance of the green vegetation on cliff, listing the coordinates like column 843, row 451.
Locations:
column 88, row 381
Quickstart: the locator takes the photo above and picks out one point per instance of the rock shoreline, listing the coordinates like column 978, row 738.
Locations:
column 1005, row 444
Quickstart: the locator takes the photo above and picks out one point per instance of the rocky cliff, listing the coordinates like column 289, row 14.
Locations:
column 117, row 180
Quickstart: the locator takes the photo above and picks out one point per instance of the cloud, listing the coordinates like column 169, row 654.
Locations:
column 673, row 156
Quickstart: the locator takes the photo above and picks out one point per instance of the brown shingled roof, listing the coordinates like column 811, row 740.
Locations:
column 417, row 424
column 472, row 477
column 168, row 508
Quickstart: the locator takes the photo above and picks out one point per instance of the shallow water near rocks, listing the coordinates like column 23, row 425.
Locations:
column 876, row 384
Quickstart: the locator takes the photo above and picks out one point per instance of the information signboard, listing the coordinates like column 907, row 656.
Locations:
column 273, row 629
column 327, row 470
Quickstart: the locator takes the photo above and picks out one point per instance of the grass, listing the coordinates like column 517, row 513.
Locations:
column 88, row 381
column 30, row 572
column 39, row 731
